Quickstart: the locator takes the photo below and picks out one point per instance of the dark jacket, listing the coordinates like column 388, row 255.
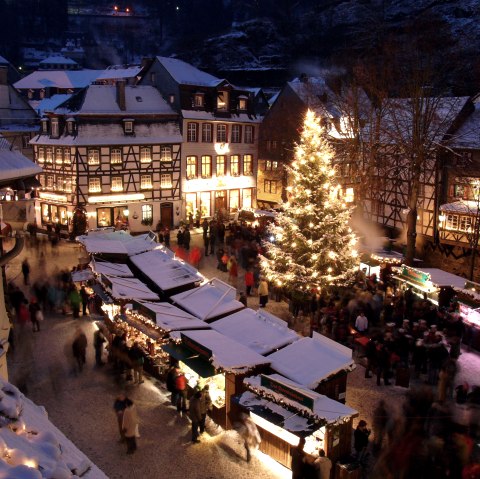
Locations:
column 195, row 410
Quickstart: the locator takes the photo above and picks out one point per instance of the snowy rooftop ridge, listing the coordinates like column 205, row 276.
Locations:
column 32, row 447
column 185, row 74
column 57, row 79
column 14, row 165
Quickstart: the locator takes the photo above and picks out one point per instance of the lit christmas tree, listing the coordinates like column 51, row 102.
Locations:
column 313, row 245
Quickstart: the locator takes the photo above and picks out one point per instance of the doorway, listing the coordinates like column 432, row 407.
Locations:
column 166, row 214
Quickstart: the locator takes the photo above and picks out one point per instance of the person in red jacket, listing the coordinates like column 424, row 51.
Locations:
column 249, row 281
column 181, row 390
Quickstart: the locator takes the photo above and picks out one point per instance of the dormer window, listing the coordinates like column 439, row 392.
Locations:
column 45, row 125
column 222, row 100
column 55, row 129
column 199, row 100
column 70, row 126
column 171, row 98
column 242, row 103
column 128, row 127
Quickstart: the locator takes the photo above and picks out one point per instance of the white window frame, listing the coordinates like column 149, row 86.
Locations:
column 192, row 162
column 242, row 104
column 452, row 222
column 147, row 212
column 55, row 128
column 59, row 156
column 94, row 184
column 223, row 171
column 49, row 154
column 206, row 166
column 67, row 156
column 248, row 134
column 68, row 184
column 166, row 153
column 166, row 181
column 128, row 127
column 41, row 154
column 236, row 133
column 207, row 132
column 235, row 171
column 145, row 154
column 192, row 132
column 146, row 182
column 116, row 156
column 247, row 160
column 199, row 100
column 222, row 133
column 116, row 183
column 93, row 156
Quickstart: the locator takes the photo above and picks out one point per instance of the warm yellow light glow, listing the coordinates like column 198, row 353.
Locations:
column 30, row 463
column 112, row 198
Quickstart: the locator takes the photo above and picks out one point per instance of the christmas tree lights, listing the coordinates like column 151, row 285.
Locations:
column 313, row 246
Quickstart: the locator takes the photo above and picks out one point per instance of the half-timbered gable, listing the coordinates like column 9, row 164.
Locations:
column 220, row 130
column 124, row 161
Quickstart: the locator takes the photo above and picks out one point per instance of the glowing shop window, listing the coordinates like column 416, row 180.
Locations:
column 205, row 203
column 349, row 195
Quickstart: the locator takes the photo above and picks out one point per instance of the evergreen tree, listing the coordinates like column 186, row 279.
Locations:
column 313, row 246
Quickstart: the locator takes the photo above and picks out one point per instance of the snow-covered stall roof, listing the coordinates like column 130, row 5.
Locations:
column 185, row 74
column 210, row 300
column 441, row 278
column 310, row 361
column 167, row 316
column 14, row 165
column 36, row 448
column 223, row 352
column 468, row 134
column 82, row 275
column 258, row 330
column 112, row 269
column 314, row 405
column 461, row 207
column 64, row 79
column 127, row 288
column 167, row 273
column 116, row 242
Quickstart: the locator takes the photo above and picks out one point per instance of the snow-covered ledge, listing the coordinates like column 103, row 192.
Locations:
column 31, row 447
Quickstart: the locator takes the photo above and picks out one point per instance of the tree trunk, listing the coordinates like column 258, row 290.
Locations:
column 412, row 223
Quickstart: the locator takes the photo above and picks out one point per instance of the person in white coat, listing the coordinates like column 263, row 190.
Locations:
column 323, row 465
column 130, row 426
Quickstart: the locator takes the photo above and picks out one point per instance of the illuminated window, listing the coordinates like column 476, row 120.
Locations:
column 191, row 167
column 221, row 165
column 55, row 129
column 199, row 100
column 128, row 127
column 116, row 156
column 58, row 156
column 146, row 182
column 49, row 154
column 205, row 203
column 247, row 165
column 68, row 184
column 67, row 156
column 50, row 182
column 271, row 165
column 94, row 185
column 145, row 154
column 206, row 166
column 93, row 157
column 116, row 183
column 147, row 212
column 166, row 153
column 207, row 136
column 41, row 154
column 270, row 186
column 452, row 222
column 60, row 185
column 45, row 125
column 222, row 100
column 247, row 198
column 234, row 200
column 349, row 195
column 235, row 165
column 221, row 133
column 192, row 132
column 242, row 103
column 236, row 133
column 465, row 223
column 166, row 180
column 248, row 134
column 458, row 191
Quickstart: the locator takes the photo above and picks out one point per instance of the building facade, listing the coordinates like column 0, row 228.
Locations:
column 115, row 152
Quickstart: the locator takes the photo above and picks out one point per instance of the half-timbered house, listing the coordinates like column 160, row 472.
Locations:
column 220, row 125
column 115, row 151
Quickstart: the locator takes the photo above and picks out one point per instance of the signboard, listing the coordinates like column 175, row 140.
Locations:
column 286, row 391
column 196, row 347
column 415, row 275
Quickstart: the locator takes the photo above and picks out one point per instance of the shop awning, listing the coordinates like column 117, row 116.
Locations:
column 98, row 290
column 202, row 367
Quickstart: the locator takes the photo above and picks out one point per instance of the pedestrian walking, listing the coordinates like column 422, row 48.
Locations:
column 243, row 299
column 35, row 314
column 181, row 390
column 26, row 272
column 75, row 300
column 232, row 268
column 84, row 297
column 98, row 342
column 186, row 237
column 170, row 383
column 137, row 359
column 206, row 406
column 249, row 281
column 263, row 291
column 213, row 236
column 323, row 465
column 79, row 348
column 130, row 426
column 119, row 407
column 251, row 437
column 195, row 414
column 298, row 459
column 166, row 236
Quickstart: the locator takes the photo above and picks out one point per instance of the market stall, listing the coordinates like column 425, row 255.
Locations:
column 468, row 301
column 433, row 284
column 258, row 330
column 208, row 357
column 284, row 411
column 317, row 363
column 166, row 274
column 126, row 289
column 210, row 301
column 116, row 245
column 372, row 263
column 100, row 266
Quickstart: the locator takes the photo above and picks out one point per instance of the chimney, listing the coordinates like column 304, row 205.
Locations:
column 121, row 95
column 304, row 78
column 3, row 75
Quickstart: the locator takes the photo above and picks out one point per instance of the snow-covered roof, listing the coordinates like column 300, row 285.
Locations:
column 113, row 134
column 128, row 288
column 461, row 207
column 102, row 99
column 258, row 330
column 170, row 318
column 4, row 61
column 57, row 59
column 468, row 134
column 49, row 104
column 14, row 165
column 82, row 275
column 210, row 300
column 167, row 273
column 57, row 79
column 32, row 447
column 324, row 409
column 310, row 361
column 185, row 74
column 117, row 72
column 441, row 278
column 226, row 353
column 116, row 242
column 112, row 269
column 210, row 116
